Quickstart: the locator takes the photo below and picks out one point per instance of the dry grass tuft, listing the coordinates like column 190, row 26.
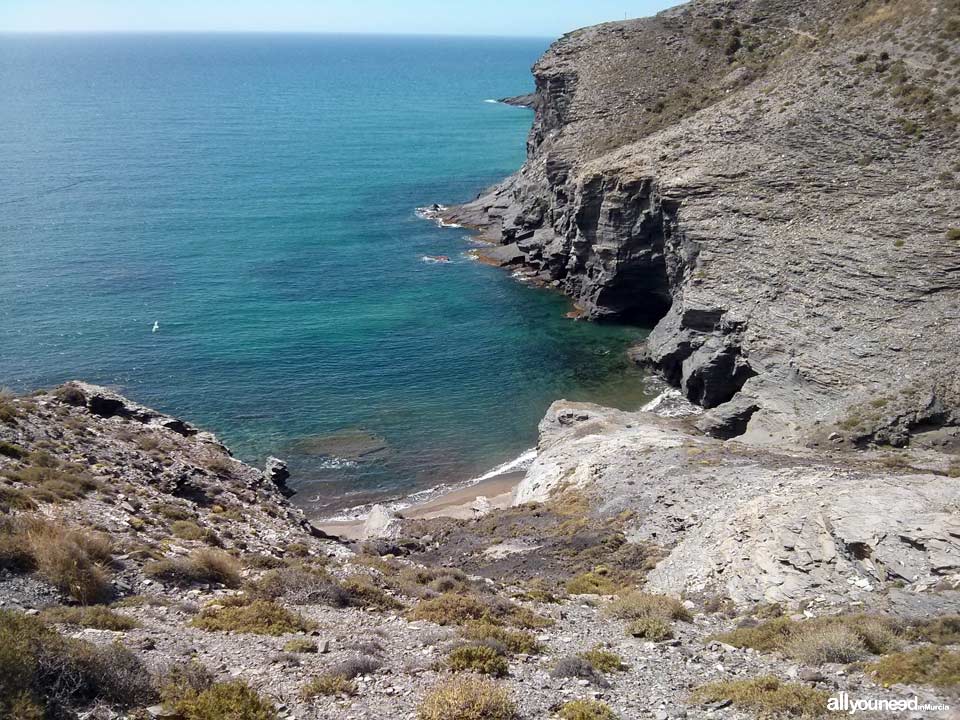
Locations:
column 513, row 641
column 604, row 660
column 328, row 684
column 468, row 697
column 261, row 617
column 204, row 565
column 457, row 609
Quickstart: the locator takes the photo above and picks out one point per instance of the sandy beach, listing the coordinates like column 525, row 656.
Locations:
column 457, row 503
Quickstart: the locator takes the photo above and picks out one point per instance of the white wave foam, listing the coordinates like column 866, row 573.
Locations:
column 522, row 462
column 495, row 102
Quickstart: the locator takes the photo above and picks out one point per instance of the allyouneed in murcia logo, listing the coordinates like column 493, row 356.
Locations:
column 844, row 703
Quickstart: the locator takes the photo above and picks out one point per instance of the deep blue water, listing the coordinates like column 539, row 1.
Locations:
column 255, row 196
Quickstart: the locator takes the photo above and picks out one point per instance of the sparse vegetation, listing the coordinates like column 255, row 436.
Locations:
column 824, row 639
column 261, row 617
column 481, row 659
column 189, row 530
column 96, row 616
column 767, row 697
column 941, row 631
column 468, row 697
column 953, row 234
column 927, row 665
column 356, row 666
column 586, row 710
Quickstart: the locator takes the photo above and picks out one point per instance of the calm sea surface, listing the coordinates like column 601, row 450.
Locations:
column 255, row 195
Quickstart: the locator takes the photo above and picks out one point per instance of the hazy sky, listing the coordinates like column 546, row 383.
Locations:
column 481, row 17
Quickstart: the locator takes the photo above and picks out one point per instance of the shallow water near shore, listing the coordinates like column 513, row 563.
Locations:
column 255, row 197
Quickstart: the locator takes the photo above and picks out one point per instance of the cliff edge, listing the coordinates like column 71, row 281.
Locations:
column 774, row 185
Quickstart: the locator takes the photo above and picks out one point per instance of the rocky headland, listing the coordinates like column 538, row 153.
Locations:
column 774, row 186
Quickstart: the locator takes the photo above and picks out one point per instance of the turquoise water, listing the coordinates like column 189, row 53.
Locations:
column 255, row 196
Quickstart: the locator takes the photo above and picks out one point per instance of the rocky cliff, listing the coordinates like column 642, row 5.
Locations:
column 773, row 185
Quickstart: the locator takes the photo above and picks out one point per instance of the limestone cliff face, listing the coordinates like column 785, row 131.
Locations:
column 773, row 184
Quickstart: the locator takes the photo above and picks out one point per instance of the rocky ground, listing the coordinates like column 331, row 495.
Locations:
column 157, row 491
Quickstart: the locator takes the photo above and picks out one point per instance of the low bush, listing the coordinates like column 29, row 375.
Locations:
column 514, row 641
column 767, row 697
column 226, row 701
column 363, row 592
column 477, row 658
column 927, row 665
column 261, row 617
column 43, row 674
column 650, row 628
column 178, row 681
column 594, row 582
column 328, row 684
column 202, row 566
column 604, row 660
column 586, row 710
column 577, row 667
column 636, row 605
column 97, row 617
column 300, row 586
column 356, row 666
column 827, row 644
column 12, row 451
column 468, row 697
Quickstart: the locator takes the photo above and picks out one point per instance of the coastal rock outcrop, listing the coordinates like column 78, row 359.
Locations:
column 760, row 525
column 773, row 186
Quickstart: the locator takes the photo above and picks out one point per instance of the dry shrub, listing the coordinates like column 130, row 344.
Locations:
column 927, row 665
column 178, row 680
column 468, row 697
column 604, row 660
column 827, row 644
column 636, row 605
column 363, row 592
column 356, row 666
column 300, row 645
column 74, row 561
column 481, row 659
column 204, row 565
column 513, row 641
column 300, row 586
column 942, row 631
column 261, row 617
column 767, row 697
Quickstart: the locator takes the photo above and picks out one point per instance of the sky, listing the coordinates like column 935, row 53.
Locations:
column 531, row 18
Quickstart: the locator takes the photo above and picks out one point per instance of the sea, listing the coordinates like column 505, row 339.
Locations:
column 225, row 227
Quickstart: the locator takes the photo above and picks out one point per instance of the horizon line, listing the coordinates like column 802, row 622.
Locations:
column 365, row 33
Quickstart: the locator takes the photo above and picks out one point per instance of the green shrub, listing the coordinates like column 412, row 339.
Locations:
column 261, row 617
column 468, row 697
column 767, row 697
column 586, row 710
column 604, row 660
column 97, row 617
column 953, row 234
column 598, row 581
column 180, row 680
column 477, row 658
column 226, row 701
column 11, row 451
